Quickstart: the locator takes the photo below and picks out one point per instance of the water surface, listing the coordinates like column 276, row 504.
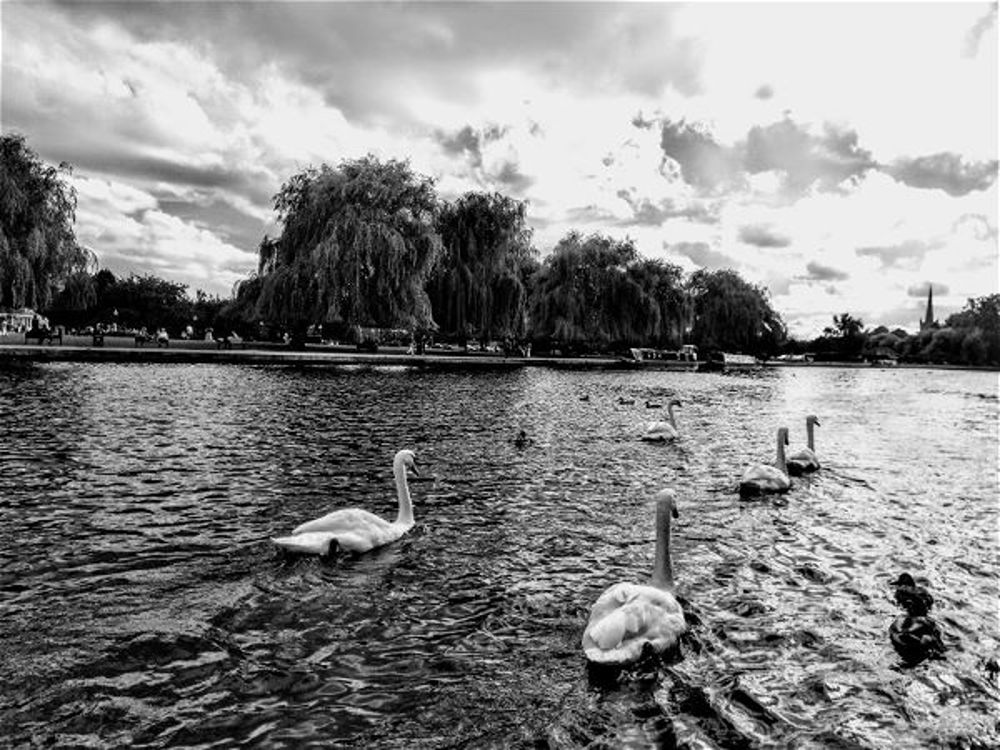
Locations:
column 142, row 603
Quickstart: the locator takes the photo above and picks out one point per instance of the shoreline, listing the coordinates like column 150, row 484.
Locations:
column 199, row 352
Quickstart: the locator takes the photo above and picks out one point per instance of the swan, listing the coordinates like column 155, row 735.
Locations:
column 761, row 479
column 663, row 430
column 354, row 529
column 804, row 461
column 628, row 618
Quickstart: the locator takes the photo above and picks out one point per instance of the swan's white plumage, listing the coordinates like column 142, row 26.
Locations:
column 354, row 529
column 628, row 617
column 804, row 460
column 662, row 429
column 761, row 479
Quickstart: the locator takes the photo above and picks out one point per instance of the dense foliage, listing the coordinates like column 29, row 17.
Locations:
column 733, row 315
column 39, row 254
column 479, row 288
column 357, row 247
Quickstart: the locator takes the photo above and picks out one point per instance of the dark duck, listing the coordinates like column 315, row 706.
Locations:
column 914, row 635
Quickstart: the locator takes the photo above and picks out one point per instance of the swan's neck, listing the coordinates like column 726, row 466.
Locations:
column 809, row 432
column 663, row 572
column 405, row 514
column 670, row 411
column 781, row 463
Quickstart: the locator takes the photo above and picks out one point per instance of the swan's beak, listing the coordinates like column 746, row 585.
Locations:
column 413, row 466
column 816, row 422
column 673, row 510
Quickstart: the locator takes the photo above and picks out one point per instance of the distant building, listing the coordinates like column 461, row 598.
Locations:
column 928, row 321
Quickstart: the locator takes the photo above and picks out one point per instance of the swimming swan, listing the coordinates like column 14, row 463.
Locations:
column 804, row 461
column 354, row 529
column 628, row 617
column 663, row 430
column 762, row 479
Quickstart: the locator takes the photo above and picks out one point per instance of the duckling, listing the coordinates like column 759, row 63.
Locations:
column 915, row 635
column 522, row 440
column 916, row 600
column 916, row 638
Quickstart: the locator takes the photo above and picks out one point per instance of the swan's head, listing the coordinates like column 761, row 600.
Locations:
column 667, row 499
column 407, row 460
column 675, row 402
column 812, row 419
column 783, row 435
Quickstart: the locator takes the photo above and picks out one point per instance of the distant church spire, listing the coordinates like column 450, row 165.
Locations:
column 928, row 321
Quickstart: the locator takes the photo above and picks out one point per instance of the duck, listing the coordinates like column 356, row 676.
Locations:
column 916, row 600
column 353, row 529
column 763, row 479
column 663, row 430
column 804, row 461
column 629, row 619
column 625, row 401
column 585, row 397
column 914, row 635
column 653, row 405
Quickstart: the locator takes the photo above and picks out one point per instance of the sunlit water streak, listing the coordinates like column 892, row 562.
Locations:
column 141, row 601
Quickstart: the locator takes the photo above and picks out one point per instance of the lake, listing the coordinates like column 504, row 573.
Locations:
column 142, row 602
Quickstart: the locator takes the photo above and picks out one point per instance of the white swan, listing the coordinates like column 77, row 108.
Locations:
column 354, row 529
column 762, row 479
column 804, row 461
column 628, row 616
column 663, row 430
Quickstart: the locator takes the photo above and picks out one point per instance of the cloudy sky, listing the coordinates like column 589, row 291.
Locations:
column 842, row 154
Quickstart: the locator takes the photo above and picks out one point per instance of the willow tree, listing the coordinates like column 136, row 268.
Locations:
column 585, row 294
column 478, row 287
column 357, row 246
column 733, row 315
column 38, row 249
column 664, row 283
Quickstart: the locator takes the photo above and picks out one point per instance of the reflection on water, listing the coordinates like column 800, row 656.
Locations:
column 141, row 602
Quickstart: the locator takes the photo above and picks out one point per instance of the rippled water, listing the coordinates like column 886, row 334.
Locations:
column 142, row 603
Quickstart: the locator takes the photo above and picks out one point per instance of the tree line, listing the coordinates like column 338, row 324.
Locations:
column 368, row 246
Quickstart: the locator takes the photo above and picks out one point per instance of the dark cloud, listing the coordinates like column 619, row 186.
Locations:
column 464, row 142
column 590, row 215
column 762, row 236
column 704, row 163
column 819, row 272
column 908, row 253
column 920, row 290
column 510, row 175
column 764, row 92
column 647, row 213
column 642, row 123
column 359, row 53
column 807, row 160
column 944, row 171
column 701, row 254
column 231, row 225
column 975, row 34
